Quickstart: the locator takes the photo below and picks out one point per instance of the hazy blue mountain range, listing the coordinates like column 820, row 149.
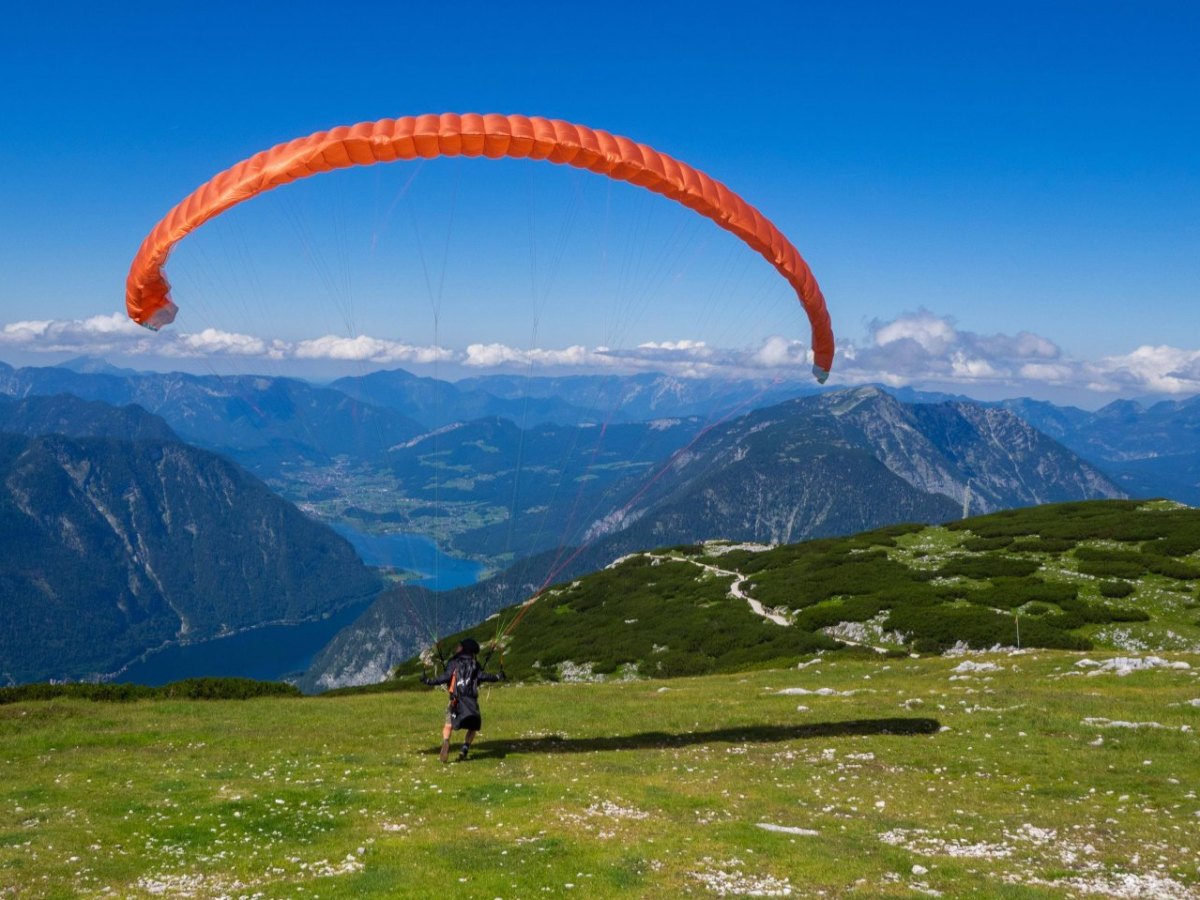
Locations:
column 265, row 423
column 638, row 398
column 435, row 403
column 114, row 547
column 1150, row 450
column 269, row 424
column 69, row 415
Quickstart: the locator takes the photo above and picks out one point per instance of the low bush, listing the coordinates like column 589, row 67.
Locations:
column 1011, row 593
column 1113, row 568
column 1108, row 554
column 226, row 689
column 989, row 567
column 983, row 544
column 190, row 689
column 939, row 629
column 1171, row 568
column 853, row 609
column 1115, row 589
column 1100, row 613
column 1181, row 543
column 1042, row 545
column 1090, row 520
column 681, row 665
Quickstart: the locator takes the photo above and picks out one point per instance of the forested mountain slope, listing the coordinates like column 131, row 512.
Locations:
column 114, row 547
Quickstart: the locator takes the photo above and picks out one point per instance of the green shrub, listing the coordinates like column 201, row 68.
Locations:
column 1116, row 568
column 1064, row 621
column 988, row 567
column 938, row 629
column 1181, row 543
column 983, row 544
column 1010, row 593
column 190, row 689
column 1108, row 554
column 1115, row 589
column 1171, row 568
column 854, row 609
column 1099, row 613
column 1042, row 545
column 804, row 582
column 227, row 689
column 111, row 693
column 1114, row 520
column 674, row 664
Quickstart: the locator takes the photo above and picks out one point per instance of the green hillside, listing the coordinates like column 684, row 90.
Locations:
column 1075, row 576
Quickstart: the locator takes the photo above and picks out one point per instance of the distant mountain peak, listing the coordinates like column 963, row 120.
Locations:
column 846, row 400
column 94, row 365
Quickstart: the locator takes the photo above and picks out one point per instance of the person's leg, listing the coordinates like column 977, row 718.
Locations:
column 466, row 747
column 444, row 753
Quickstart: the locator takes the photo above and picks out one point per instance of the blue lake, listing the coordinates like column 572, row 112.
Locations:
column 413, row 553
column 268, row 653
column 277, row 651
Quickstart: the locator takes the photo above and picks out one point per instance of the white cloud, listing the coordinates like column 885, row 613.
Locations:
column 924, row 349
column 1047, row 373
column 1168, row 370
column 932, row 334
column 211, row 342
column 684, row 346
column 777, row 352
column 971, row 368
column 368, row 349
column 98, row 334
column 488, row 356
column 920, row 349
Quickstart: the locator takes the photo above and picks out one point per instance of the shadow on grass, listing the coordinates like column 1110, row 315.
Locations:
column 748, row 734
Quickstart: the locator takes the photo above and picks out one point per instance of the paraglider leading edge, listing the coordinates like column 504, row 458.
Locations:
column 147, row 291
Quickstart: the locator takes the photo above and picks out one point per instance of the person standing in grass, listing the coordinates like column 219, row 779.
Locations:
column 461, row 677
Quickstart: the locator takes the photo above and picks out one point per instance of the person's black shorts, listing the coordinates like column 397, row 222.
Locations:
column 464, row 715
column 469, row 722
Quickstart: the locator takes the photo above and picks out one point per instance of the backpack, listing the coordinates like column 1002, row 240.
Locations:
column 464, row 678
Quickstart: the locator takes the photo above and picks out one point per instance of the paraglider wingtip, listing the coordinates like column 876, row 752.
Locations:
column 820, row 374
column 164, row 315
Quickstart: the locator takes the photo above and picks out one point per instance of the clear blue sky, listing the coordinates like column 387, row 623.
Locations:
column 988, row 168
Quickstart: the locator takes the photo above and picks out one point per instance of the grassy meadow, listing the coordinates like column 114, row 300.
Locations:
column 993, row 774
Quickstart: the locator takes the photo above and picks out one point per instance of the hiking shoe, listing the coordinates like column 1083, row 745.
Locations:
column 444, row 754
column 462, row 754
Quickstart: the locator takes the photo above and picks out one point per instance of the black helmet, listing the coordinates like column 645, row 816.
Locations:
column 470, row 645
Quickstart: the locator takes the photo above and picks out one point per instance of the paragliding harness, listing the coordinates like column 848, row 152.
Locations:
column 463, row 689
column 452, row 690
column 464, row 678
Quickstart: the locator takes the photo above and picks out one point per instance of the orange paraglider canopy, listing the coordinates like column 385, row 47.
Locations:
column 148, row 295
